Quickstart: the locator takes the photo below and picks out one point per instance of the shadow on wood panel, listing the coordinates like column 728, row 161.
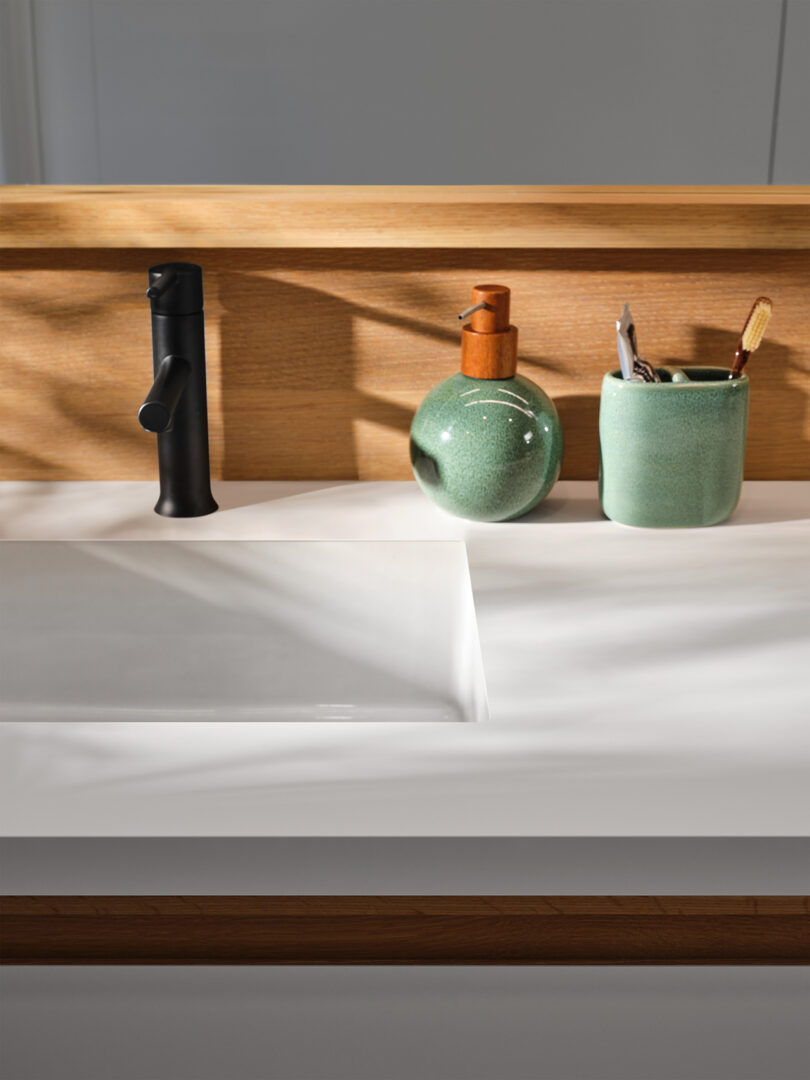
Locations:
column 289, row 378
column 318, row 385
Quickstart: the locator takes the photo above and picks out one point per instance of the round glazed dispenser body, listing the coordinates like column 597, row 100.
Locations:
column 486, row 449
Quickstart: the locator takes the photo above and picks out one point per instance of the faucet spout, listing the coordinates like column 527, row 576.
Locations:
column 157, row 412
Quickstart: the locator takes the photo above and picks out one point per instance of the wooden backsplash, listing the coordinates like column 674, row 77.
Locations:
column 318, row 355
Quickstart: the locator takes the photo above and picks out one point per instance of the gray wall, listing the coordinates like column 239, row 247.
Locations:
column 407, row 91
column 264, row 1023
column 792, row 142
column 390, row 865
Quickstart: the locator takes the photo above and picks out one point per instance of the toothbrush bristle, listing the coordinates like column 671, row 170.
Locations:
column 756, row 323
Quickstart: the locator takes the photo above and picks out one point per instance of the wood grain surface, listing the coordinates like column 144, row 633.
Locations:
column 318, row 359
column 405, row 930
column 514, row 216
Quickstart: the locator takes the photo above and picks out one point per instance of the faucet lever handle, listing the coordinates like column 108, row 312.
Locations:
column 157, row 412
column 159, row 287
column 175, row 288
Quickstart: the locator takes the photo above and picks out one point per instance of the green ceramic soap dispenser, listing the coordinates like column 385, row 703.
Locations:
column 487, row 443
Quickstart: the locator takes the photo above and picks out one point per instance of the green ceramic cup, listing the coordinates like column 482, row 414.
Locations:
column 671, row 453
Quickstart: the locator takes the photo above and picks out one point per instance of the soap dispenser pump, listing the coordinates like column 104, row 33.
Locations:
column 487, row 443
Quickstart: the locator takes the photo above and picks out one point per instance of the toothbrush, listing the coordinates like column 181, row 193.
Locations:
column 752, row 334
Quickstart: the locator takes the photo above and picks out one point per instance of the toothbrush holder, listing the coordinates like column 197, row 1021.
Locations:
column 671, row 453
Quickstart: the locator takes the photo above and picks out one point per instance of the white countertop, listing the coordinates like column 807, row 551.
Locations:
column 640, row 682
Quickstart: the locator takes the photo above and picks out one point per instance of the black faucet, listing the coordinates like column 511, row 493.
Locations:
column 176, row 406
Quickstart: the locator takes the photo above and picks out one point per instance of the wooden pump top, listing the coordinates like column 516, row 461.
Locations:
column 488, row 342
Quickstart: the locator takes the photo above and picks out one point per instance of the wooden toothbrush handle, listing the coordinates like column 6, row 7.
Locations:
column 740, row 358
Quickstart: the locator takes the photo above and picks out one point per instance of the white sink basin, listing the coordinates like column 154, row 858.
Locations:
column 238, row 631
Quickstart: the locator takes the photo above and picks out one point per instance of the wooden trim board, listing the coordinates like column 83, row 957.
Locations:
column 502, row 217
column 405, row 930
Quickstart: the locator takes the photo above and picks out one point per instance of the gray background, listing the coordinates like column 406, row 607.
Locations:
column 391, row 865
column 418, row 1023
column 405, row 91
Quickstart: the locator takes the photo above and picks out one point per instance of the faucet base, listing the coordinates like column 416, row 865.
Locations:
column 168, row 506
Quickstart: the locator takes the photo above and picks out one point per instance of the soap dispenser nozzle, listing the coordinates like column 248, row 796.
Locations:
column 465, row 314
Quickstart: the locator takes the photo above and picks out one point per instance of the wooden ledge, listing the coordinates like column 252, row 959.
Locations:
column 504, row 217
column 405, row 930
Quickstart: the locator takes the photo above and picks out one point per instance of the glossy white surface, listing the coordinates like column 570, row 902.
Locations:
column 129, row 631
column 639, row 683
